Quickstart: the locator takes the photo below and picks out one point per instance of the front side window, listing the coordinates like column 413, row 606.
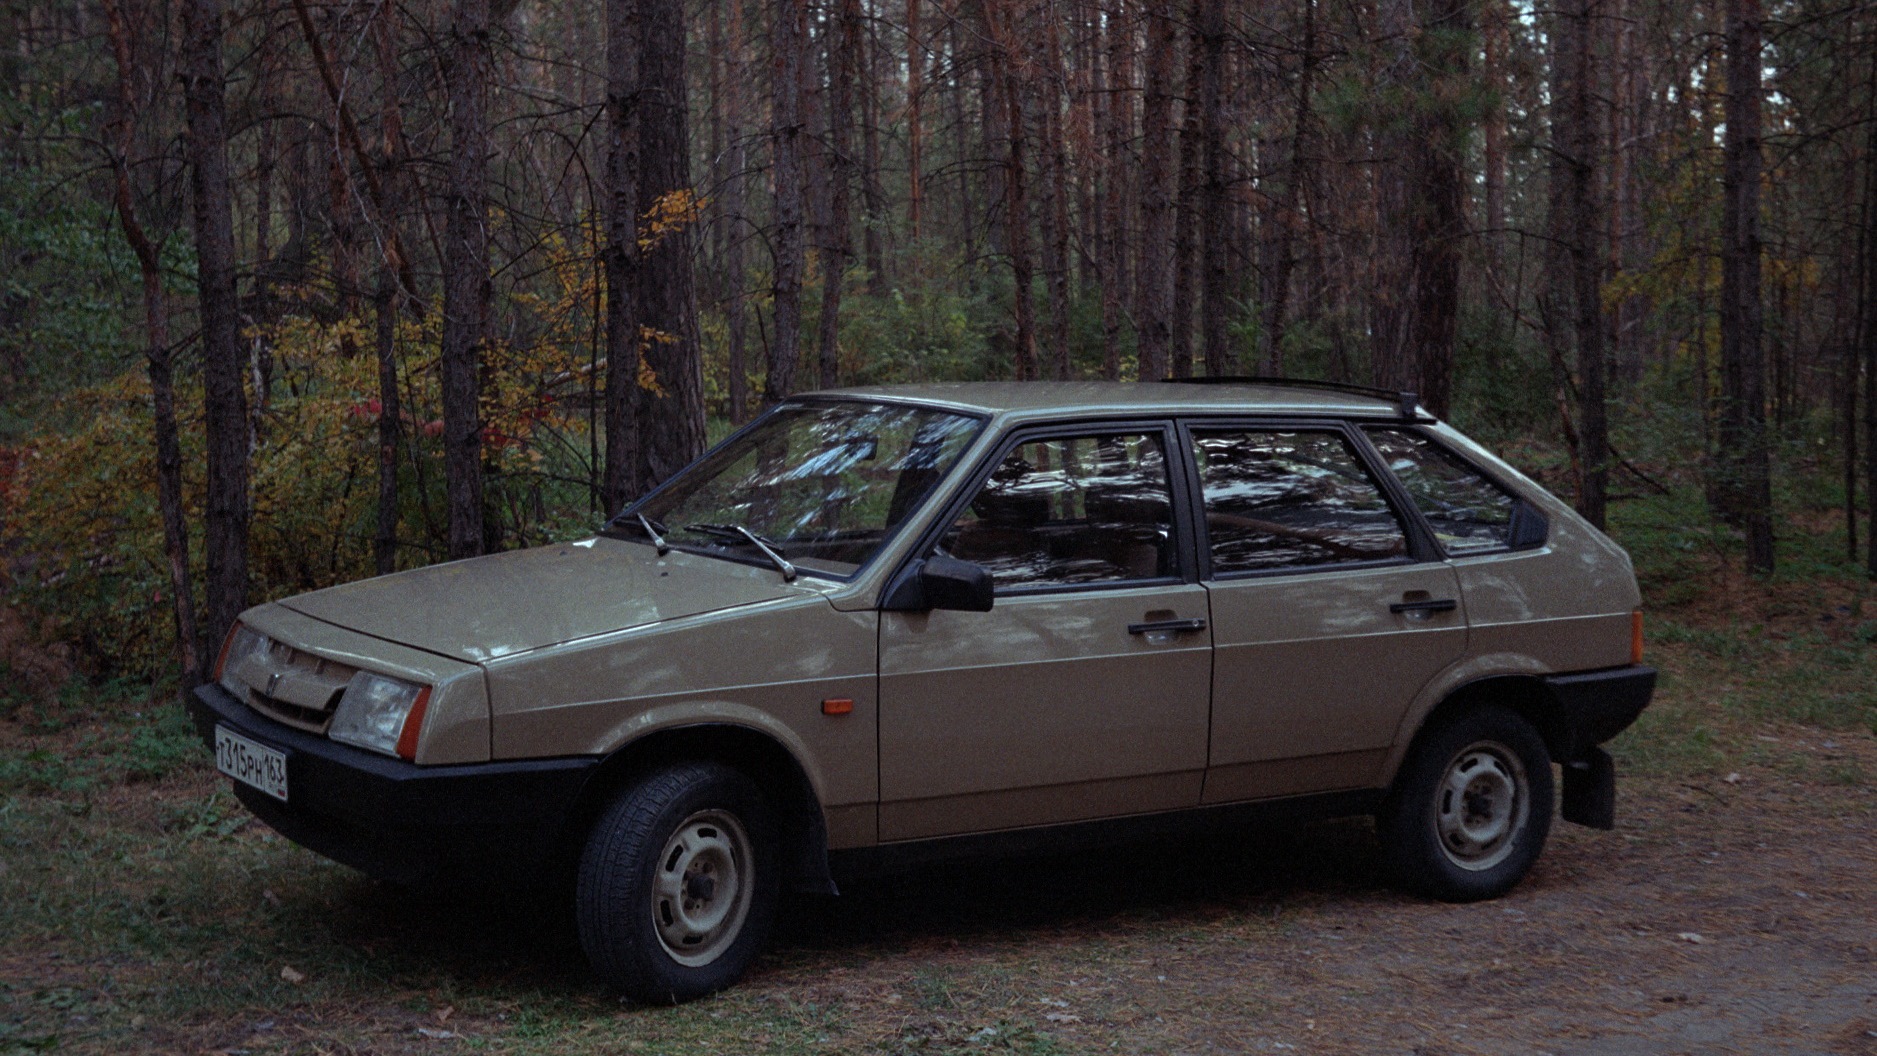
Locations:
column 1278, row 500
column 824, row 484
column 1065, row 511
column 1467, row 512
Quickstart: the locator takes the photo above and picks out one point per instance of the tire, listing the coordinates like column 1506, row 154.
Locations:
column 678, row 883
column 1470, row 810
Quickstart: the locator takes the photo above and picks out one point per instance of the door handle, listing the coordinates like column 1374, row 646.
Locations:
column 1196, row 624
column 1433, row 605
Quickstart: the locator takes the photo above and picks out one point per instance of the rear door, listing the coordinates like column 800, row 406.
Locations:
column 1330, row 608
column 1083, row 692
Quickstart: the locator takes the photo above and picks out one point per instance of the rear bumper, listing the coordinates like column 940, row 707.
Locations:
column 1597, row 705
column 476, row 825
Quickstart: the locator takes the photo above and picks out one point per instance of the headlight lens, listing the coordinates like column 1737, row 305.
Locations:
column 380, row 713
column 242, row 643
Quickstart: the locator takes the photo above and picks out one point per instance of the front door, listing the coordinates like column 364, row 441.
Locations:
column 1083, row 692
column 1328, row 618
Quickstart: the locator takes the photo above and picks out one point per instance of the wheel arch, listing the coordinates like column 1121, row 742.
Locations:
column 1526, row 695
column 753, row 752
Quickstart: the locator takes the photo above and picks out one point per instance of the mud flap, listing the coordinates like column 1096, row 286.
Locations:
column 1590, row 790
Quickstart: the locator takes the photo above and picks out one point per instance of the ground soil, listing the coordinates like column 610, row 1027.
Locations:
column 1728, row 913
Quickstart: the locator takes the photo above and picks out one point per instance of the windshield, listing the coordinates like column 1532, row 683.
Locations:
column 822, row 484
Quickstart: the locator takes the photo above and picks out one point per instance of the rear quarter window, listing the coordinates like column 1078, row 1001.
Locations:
column 1468, row 512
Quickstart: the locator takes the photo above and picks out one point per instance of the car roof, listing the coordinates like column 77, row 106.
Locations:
column 1121, row 398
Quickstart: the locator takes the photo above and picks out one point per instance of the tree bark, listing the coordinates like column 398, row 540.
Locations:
column 1055, row 197
column 388, row 299
column 1744, row 439
column 670, row 421
column 1154, row 292
column 837, row 246
column 1186, row 221
column 915, row 120
column 158, row 359
column 1007, row 89
column 736, row 159
column 624, row 342
column 1216, row 238
column 224, row 400
column 789, row 36
column 1118, row 119
column 466, row 282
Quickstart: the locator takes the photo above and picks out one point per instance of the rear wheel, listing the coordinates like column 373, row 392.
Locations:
column 1470, row 810
column 677, row 886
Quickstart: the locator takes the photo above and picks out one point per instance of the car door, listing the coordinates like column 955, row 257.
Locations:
column 1083, row 692
column 1330, row 608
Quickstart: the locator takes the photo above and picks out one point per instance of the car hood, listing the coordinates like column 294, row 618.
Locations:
column 488, row 607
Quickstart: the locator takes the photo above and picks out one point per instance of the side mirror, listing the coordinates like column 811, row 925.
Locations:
column 1528, row 529
column 949, row 583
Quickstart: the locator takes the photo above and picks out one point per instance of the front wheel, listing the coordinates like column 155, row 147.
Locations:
column 677, row 886
column 1471, row 808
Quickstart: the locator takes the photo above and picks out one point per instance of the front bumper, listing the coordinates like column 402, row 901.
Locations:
column 476, row 825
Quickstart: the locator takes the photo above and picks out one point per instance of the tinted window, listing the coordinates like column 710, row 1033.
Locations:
column 1086, row 509
column 1290, row 499
column 1467, row 512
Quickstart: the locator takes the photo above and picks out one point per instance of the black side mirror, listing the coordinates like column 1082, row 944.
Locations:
column 949, row 583
column 1528, row 529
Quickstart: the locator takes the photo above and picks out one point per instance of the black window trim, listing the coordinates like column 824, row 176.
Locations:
column 1435, row 442
column 1178, row 494
column 1420, row 541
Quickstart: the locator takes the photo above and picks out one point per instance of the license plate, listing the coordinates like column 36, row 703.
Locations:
column 250, row 763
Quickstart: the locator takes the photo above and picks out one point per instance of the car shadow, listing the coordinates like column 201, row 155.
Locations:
column 526, row 939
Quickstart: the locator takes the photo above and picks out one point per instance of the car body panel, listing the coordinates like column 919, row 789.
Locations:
column 593, row 696
column 1045, row 709
column 503, row 604
column 456, row 723
column 1314, row 666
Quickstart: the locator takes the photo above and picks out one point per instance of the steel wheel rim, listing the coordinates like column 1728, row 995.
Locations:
column 702, row 887
column 1481, row 805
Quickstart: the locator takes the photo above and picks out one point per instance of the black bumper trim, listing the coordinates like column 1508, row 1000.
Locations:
column 1598, row 705
column 471, row 824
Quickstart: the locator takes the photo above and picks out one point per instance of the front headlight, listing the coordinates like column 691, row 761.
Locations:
column 380, row 713
column 242, row 643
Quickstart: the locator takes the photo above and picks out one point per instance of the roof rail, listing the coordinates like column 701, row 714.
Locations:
column 1405, row 402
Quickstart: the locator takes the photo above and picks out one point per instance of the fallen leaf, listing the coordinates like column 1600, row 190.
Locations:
column 1733, row 778
column 292, row 975
column 1691, row 936
column 444, row 1013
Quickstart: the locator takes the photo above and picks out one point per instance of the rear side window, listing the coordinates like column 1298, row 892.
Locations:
column 1468, row 512
column 1277, row 500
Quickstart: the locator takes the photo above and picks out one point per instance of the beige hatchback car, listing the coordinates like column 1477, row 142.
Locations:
column 882, row 625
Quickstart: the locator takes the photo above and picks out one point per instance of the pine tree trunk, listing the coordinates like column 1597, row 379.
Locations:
column 622, row 257
column 466, row 283
column 1744, row 438
column 915, row 120
column 789, row 36
column 670, row 421
column 1118, row 119
column 390, row 415
column 734, row 204
column 1186, row 222
column 1055, row 198
column 158, row 360
column 225, row 407
column 837, row 249
column 1216, row 240
column 1154, row 288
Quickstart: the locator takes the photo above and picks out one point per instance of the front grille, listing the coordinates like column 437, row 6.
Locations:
column 295, row 687
column 313, row 720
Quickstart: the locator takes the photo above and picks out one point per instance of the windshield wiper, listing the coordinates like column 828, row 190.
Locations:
column 737, row 533
column 652, row 532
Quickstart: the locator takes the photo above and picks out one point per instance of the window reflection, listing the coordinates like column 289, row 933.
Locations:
column 1289, row 499
column 1467, row 512
column 824, row 483
column 1064, row 511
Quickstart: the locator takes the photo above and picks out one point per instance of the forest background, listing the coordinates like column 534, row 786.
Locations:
column 295, row 292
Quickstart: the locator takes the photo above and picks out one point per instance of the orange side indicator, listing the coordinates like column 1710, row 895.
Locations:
column 837, row 706
column 1635, row 636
